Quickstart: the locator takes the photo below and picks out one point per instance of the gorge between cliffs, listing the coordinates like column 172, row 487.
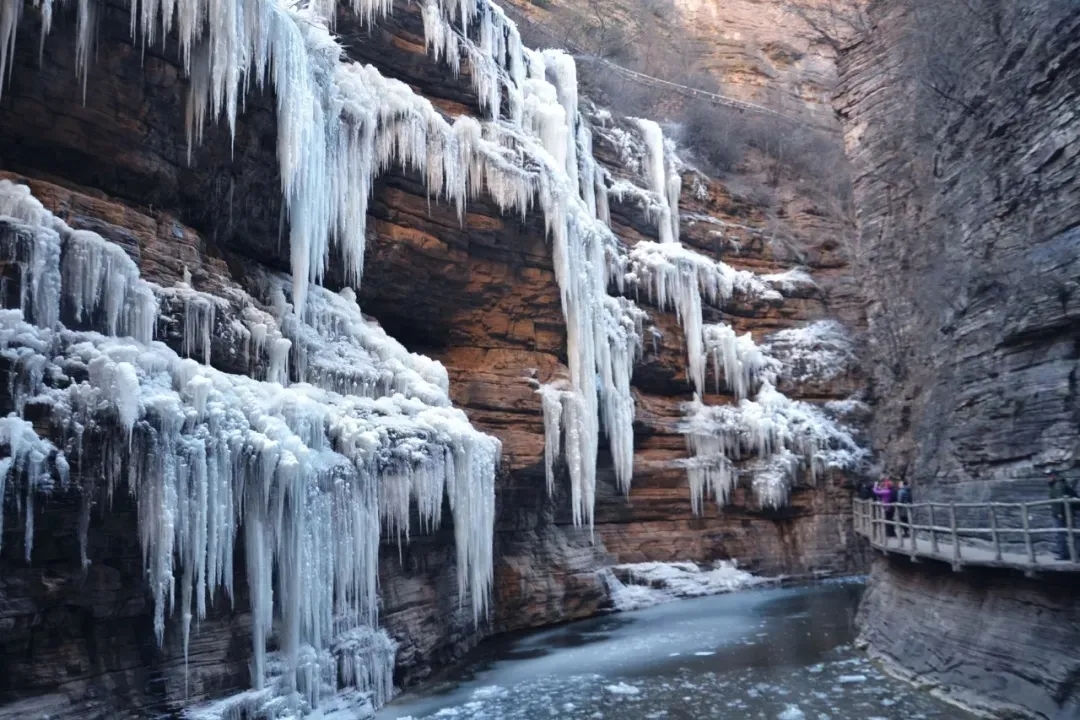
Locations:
column 515, row 359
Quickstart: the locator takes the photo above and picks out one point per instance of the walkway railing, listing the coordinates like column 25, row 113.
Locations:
column 1023, row 536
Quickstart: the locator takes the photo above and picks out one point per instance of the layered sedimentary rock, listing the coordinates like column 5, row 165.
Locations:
column 1004, row 646
column 758, row 52
column 478, row 293
column 962, row 129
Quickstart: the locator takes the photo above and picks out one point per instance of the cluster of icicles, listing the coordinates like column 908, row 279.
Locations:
column 767, row 433
column 309, row 475
column 339, row 125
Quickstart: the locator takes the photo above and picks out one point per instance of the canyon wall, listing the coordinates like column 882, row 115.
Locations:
column 961, row 126
column 760, row 52
column 479, row 295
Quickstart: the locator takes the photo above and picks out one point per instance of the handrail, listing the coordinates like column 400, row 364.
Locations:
column 1009, row 539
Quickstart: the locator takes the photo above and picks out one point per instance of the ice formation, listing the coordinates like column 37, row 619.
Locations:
column 743, row 363
column 781, row 434
column 675, row 277
column 656, row 173
column 652, row 155
column 817, row 352
column 640, row 585
column 310, row 476
column 359, row 658
column 339, row 125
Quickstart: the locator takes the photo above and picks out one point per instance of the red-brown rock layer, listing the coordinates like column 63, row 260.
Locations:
column 480, row 296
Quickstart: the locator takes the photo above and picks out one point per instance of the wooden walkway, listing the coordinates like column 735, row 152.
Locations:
column 1017, row 536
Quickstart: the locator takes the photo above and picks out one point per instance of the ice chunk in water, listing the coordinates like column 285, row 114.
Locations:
column 791, row 712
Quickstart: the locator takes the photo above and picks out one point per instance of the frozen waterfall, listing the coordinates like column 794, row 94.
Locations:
column 344, row 430
column 311, row 477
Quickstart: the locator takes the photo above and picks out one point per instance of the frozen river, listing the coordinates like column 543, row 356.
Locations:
column 777, row 654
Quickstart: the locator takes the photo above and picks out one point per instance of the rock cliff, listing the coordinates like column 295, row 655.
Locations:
column 961, row 126
column 478, row 294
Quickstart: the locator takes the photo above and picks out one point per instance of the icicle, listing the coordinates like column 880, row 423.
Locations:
column 743, row 363
column 676, row 277
column 782, row 433
column 303, row 469
column 656, row 173
column 551, row 403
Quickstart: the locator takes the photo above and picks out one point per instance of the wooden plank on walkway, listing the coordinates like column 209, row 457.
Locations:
column 869, row 522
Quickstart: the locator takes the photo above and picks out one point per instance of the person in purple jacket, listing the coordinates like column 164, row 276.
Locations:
column 885, row 493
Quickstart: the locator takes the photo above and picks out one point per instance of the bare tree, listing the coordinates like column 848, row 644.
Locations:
column 837, row 23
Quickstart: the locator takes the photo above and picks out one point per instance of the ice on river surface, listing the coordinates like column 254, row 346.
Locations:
column 778, row 654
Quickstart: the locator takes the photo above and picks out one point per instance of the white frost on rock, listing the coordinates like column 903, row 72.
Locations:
column 652, row 206
column 790, row 281
column 652, row 583
column 817, row 352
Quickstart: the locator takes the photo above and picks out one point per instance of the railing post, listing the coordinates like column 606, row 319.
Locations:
column 1027, row 534
column 1069, row 529
column 912, row 522
column 933, row 531
column 994, row 533
column 955, row 537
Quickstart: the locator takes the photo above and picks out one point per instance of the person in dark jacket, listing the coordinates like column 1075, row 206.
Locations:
column 866, row 490
column 903, row 500
column 1060, row 490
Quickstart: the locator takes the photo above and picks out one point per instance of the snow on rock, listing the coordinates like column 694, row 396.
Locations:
column 309, row 475
column 640, row 585
column 790, row 281
column 817, row 352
